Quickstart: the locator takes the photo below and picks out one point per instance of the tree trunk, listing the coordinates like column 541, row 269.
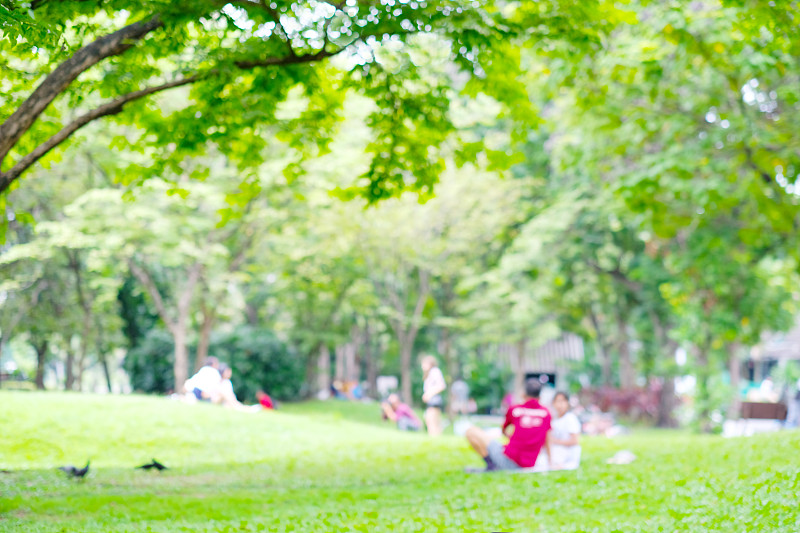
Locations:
column 251, row 314
column 446, row 349
column 204, row 341
column 666, row 403
column 324, row 369
column 101, row 354
column 181, row 365
column 178, row 327
column 2, row 349
column 518, row 368
column 41, row 356
column 702, row 398
column 70, row 374
column 106, row 371
column 406, row 347
column 353, row 370
column 734, row 367
column 406, row 327
column 371, row 363
column 627, row 375
column 84, row 349
column 602, row 351
column 338, row 363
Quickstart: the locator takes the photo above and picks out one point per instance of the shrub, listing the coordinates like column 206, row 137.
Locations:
column 150, row 364
column 260, row 361
column 488, row 383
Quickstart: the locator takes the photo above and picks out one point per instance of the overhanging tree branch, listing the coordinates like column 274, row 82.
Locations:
column 146, row 279
column 113, row 44
column 110, row 108
column 287, row 60
column 54, row 84
column 115, row 106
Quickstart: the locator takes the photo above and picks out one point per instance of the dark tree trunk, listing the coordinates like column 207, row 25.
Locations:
column 406, row 347
column 84, row 349
column 370, row 361
column 204, row 341
column 734, row 367
column 41, row 360
column 2, row 349
column 323, row 368
column 101, row 353
column 106, row 371
column 666, row 404
column 703, row 396
column 602, row 350
column 69, row 367
column 181, row 366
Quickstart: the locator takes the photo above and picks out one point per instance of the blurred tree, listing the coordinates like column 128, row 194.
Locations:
column 243, row 59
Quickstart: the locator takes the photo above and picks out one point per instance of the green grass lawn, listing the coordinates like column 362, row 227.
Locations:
column 335, row 467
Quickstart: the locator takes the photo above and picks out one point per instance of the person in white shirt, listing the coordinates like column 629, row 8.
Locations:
column 205, row 384
column 564, row 438
column 432, row 389
column 225, row 394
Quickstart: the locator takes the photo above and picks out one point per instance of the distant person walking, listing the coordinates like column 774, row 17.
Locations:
column 432, row 389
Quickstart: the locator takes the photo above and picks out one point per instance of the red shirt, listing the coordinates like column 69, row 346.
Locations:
column 531, row 422
column 266, row 402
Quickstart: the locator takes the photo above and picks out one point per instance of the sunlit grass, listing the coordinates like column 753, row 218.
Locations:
column 329, row 467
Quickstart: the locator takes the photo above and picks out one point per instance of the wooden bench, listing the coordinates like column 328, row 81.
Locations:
column 764, row 411
column 751, row 411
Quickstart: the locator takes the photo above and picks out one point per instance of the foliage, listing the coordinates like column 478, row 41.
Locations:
column 316, row 470
column 488, row 383
column 149, row 363
column 625, row 172
column 260, row 361
column 241, row 61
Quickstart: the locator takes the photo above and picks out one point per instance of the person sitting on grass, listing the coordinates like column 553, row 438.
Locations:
column 564, row 435
column 204, row 385
column 225, row 395
column 264, row 400
column 530, row 421
column 400, row 413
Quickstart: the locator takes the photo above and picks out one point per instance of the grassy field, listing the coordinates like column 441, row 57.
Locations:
column 335, row 467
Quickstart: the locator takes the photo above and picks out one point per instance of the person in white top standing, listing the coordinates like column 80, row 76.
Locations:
column 432, row 389
column 565, row 433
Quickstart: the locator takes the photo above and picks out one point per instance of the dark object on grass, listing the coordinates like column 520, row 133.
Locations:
column 155, row 464
column 75, row 472
column 5, row 471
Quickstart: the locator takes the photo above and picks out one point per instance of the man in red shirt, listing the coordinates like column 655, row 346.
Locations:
column 531, row 423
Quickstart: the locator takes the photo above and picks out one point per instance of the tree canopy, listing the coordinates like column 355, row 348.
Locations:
column 625, row 172
column 69, row 63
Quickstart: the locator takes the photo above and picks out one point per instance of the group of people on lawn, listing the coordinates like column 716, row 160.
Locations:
column 212, row 383
column 529, row 426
